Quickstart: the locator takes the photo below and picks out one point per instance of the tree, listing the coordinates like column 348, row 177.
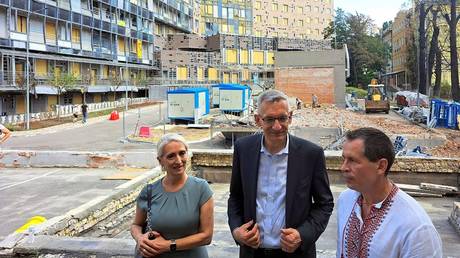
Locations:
column 116, row 80
column 63, row 82
column 422, row 69
column 452, row 21
column 367, row 51
column 86, row 80
column 434, row 55
column 336, row 31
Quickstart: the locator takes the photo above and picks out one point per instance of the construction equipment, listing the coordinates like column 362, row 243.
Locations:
column 377, row 99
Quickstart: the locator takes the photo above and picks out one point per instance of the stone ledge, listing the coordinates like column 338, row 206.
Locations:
column 87, row 215
column 75, row 159
column 75, row 247
column 223, row 158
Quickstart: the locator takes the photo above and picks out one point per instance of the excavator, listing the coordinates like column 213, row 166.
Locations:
column 377, row 99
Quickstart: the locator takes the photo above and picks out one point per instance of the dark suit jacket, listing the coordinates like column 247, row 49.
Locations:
column 306, row 179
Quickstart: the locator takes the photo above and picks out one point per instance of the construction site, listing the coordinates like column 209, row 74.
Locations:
column 427, row 167
column 195, row 68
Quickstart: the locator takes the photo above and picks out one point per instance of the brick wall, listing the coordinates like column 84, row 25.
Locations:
column 303, row 82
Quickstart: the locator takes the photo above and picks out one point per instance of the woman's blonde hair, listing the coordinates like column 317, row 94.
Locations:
column 167, row 138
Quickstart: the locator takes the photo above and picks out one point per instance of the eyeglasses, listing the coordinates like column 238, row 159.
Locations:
column 271, row 120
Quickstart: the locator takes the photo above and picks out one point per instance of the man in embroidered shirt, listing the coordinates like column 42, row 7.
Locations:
column 375, row 218
column 275, row 176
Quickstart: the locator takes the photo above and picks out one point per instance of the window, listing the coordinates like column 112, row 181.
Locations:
column 208, row 9
column 258, row 57
column 258, row 5
column 285, row 8
column 200, row 73
column 231, row 56
column 285, row 21
column 75, row 36
column 241, row 29
column 244, row 56
column 270, row 58
column 224, row 27
column 258, row 18
column 258, row 33
column 212, row 74
column 299, row 9
column 50, row 32
column 21, row 24
column 75, row 69
column 64, row 31
column 121, row 45
column 275, row 20
column 41, row 67
column 181, row 73
column 245, row 75
column 300, row 23
column 275, row 7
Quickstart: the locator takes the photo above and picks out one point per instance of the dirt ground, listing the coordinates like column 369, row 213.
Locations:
column 190, row 134
column 333, row 117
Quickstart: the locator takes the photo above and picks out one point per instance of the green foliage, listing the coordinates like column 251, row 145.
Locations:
column 336, row 31
column 360, row 93
column 140, row 80
column 445, row 90
column 367, row 51
column 62, row 80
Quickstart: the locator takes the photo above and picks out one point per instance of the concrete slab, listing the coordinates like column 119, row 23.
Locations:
column 223, row 246
column 26, row 192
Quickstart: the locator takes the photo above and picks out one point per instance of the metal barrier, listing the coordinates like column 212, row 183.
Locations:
column 68, row 110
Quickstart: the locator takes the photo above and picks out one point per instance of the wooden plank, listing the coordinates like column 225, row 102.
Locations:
column 419, row 194
column 415, row 189
column 438, row 188
column 411, row 188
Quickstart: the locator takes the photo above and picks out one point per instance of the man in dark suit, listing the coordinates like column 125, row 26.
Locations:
column 275, row 176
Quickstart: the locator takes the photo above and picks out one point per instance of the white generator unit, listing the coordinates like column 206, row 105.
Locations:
column 234, row 98
column 188, row 104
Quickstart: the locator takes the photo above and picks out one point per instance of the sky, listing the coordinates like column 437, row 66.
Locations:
column 379, row 11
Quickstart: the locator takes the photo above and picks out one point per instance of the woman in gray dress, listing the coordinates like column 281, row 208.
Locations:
column 181, row 208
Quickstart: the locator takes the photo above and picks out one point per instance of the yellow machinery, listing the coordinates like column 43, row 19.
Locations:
column 376, row 100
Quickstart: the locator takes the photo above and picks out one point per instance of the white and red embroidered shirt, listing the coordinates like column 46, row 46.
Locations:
column 396, row 227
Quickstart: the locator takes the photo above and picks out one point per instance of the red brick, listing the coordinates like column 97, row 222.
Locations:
column 303, row 82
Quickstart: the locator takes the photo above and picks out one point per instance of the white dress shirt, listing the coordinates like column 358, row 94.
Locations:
column 396, row 227
column 271, row 195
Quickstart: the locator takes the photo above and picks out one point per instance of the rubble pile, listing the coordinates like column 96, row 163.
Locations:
column 330, row 116
column 227, row 120
column 451, row 148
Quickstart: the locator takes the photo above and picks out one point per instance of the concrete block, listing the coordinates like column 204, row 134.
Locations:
column 77, row 247
column 454, row 217
column 82, row 159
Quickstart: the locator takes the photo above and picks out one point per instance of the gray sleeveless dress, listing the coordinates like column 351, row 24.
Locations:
column 177, row 214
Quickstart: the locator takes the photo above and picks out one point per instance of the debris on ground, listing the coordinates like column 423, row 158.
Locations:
column 393, row 124
column 190, row 134
column 428, row 190
column 416, row 114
